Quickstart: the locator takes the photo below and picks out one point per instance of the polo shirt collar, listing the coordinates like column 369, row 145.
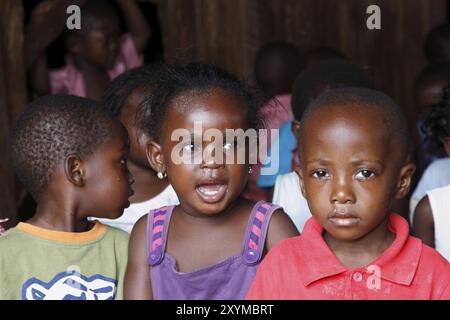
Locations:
column 398, row 263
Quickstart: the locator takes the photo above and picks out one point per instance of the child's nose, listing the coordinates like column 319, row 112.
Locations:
column 342, row 192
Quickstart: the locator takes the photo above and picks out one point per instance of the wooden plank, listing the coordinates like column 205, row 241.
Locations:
column 12, row 96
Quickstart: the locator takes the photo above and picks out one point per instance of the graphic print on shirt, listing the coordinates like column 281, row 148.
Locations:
column 69, row 285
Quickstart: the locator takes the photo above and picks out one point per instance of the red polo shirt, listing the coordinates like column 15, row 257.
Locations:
column 304, row 267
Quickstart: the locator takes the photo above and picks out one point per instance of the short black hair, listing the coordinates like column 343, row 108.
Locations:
column 195, row 77
column 51, row 128
column 437, row 123
column 366, row 99
column 437, row 44
column 123, row 86
column 324, row 76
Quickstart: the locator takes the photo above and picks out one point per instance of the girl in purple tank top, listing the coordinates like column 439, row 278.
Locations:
column 209, row 246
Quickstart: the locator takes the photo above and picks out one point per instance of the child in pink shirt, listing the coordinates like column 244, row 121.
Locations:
column 97, row 53
column 354, row 162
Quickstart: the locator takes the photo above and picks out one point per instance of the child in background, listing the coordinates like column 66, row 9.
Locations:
column 276, row 66
column 210, row 246
column 97, row 52
column 123, row 99
column 309, row 85
column 428, row 89
column 432, row 214
column 435, row 129
column 354, row 147
column 72, row 158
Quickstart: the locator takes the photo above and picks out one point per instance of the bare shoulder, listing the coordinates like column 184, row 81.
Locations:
column 423, row 222
column 139, row 229
column 280, row 227
column 423, row 214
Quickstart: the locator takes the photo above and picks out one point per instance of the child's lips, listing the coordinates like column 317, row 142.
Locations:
column 212, row 191
column 343, row 218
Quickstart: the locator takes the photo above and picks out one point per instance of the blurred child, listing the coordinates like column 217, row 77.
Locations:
column 97, row 52
column 428, row 90
column 437, row 44
column 435, row 135
column 72, row 158
column 276, row 66
column 354, row 147
column 309, row 84
column 431, row 217
column 210, row 245
column 123, row 99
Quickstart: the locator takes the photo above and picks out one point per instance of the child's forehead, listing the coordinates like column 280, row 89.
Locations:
column 213, row 100
column 347, row 120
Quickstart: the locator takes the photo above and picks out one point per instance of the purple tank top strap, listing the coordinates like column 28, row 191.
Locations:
column 255, row 235
column 157, row 228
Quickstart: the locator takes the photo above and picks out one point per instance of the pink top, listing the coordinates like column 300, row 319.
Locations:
column 69, row 80
column 274, row 113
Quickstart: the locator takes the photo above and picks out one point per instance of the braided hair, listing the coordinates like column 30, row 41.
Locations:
column 437, row 124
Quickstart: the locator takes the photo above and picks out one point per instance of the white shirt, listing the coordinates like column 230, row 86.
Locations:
column 435, row 176
column 287, row 193
column 440, row 206
column 136, row 210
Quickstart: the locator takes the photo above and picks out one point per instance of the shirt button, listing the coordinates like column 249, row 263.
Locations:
column 357, row 276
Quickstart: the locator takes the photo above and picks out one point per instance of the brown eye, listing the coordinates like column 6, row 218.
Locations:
column 365, row 174
column 320, row 174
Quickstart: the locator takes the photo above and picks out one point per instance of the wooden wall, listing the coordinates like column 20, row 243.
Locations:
column 12, row 96
column 229, row 32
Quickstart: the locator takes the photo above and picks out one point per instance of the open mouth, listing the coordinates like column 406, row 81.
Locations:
column 211, row 192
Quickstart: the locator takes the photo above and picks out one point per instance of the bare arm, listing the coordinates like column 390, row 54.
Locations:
column 280, row 227
column 136, row 23
column 423, row 225
column 137, row 277
column 48, row 20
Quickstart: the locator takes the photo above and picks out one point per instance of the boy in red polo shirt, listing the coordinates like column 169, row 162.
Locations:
column 354, row 163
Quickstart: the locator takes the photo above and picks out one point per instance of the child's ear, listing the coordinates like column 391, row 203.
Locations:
column 404, row 182
column 73, row 167
column 154, row 155
column 299, row 172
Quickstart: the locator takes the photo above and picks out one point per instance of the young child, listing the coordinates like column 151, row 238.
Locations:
column 123, row 99
column 431, row 218
column 308, row 86
column 72, row 158
column 433, row 141
column 97, row 51
column 276, row 66
column 428, row 90
column 354, row 148
column 209, row 246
